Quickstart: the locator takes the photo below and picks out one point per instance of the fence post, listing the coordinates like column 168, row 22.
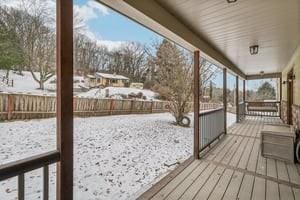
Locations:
column 111, row 106
column 131, row 106
column 151, row 111
column 10, row 106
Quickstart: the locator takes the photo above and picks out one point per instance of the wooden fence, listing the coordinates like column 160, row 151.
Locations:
column 25, row 106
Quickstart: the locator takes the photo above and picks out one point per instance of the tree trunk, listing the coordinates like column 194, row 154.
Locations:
column 7, row 73
column 41, row 84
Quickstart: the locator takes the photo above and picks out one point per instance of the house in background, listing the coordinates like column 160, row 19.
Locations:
column 137, row 85
column 106, row 80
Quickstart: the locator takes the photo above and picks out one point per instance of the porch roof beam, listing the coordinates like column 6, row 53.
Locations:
column 153, row 16
column 263, row 76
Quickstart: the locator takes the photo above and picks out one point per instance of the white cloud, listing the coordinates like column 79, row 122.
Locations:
column 111, row 45
column 82, row 16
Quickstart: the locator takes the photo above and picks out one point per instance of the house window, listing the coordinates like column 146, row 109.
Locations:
column 114, row 81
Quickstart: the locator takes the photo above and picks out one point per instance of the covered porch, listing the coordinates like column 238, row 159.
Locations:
column 232, row 169
column 252, row 40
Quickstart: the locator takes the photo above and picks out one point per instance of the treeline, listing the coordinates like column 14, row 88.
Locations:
column 27, row 42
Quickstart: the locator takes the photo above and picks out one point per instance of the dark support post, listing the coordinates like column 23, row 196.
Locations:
column 237, row 98
column 280, row 97
column 196, row 104
column 225, row 98
column 244, row 91
column 64, row 49
column 244, row 99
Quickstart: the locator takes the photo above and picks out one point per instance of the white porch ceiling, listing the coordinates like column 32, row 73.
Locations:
column 231, row 28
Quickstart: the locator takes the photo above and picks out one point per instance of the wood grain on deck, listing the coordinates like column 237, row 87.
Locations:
column 235, row 169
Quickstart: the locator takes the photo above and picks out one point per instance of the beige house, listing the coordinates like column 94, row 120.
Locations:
column 105, row 80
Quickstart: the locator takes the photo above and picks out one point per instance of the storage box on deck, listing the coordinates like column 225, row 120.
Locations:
column 277, row 141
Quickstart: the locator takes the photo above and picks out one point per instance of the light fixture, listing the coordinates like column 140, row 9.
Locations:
column 231, row 1
column 253, row 49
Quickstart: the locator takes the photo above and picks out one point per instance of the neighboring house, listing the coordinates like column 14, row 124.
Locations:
column 106, row 80
column 137, row 85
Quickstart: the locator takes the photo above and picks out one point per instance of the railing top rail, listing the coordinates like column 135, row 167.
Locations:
column 262, row 101
column 210, row 111
column 28, row 164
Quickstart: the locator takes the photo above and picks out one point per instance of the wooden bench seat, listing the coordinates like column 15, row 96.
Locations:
column 277, row 142
column 263, row 108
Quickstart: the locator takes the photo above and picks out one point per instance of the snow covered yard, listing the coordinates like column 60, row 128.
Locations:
column 115, row 157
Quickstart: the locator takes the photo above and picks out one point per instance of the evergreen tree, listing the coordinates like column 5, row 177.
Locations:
column 266, row 91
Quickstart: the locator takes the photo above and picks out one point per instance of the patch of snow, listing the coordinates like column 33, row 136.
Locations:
column 231, row 119
column 115, row 157
column 23, row 84
column 111, row 76
column 100, row 93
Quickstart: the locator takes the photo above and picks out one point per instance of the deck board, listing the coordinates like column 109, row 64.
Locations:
column 235, row 169
column 272, row 190
column 234, row 186
column 183, row 186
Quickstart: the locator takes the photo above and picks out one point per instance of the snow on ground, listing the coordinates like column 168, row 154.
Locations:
column 23, row 84
column 231, row 119
column 100, row 93
column 116, row 157
column 26, row 84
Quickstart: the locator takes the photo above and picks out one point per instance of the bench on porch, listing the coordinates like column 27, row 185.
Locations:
column 277, row 141
column 262, row 108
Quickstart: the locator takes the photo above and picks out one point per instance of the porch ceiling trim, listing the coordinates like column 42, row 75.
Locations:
column 153, row 16
column 263, row 76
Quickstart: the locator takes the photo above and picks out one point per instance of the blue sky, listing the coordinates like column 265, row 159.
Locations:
column 112, row 26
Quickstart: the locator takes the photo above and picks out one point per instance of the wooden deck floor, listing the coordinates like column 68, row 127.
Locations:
column 235, row 169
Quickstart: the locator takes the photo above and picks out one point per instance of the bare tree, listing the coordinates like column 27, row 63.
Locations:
column 175, row 78
column 207, row 72
column 130, row 60
column 32, row 25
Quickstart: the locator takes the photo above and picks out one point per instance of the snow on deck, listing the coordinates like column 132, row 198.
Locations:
column 115, row 157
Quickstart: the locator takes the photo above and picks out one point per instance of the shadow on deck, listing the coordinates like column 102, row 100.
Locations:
column 233, row 169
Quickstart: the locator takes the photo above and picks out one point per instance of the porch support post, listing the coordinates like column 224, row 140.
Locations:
column 225, row 98
column 237, row 98
column 244, row 99
column 280, row 97
column 244, row 91
column 196, row 104
column 64, row 65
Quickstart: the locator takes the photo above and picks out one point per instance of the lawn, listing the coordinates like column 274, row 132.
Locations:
column 115, row 157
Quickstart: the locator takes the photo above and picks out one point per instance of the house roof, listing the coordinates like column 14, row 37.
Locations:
column 111, row 76
column 90, row 76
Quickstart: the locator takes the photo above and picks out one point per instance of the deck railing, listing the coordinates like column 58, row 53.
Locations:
column 19, row 168
column 211, row 126
column 261, row 108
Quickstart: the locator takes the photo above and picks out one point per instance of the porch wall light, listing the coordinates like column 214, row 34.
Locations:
column 231, row 1
column 253, row 49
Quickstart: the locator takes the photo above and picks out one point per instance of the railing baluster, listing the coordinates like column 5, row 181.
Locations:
column 21, row 189
column 46, row 182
